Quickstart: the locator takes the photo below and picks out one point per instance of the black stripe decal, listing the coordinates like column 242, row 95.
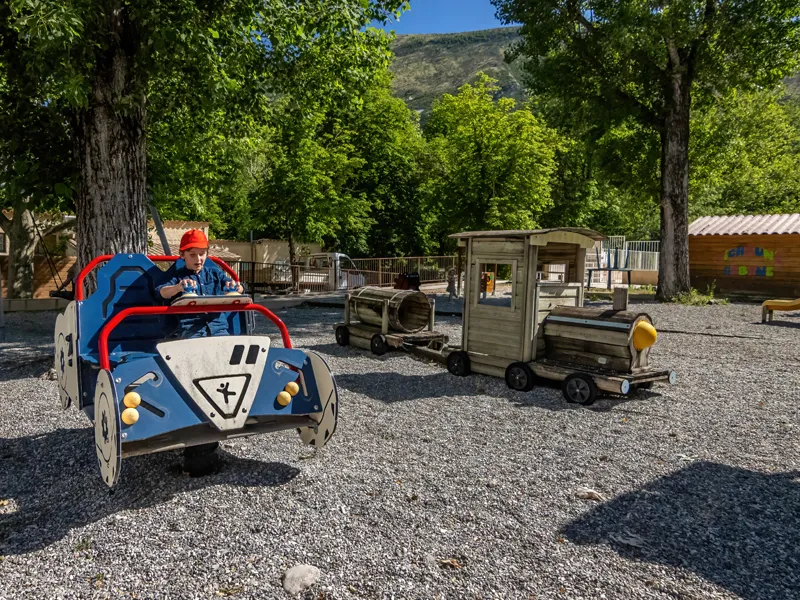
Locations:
column 236, row 357
column 252, row 354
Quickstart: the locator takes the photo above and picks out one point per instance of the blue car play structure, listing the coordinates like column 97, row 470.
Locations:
column 146, row 393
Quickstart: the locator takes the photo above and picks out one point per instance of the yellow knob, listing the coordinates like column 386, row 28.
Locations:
column 132, row 399
column 644, row 335
column 292, row 388
column 130, row 416
column 284, row 398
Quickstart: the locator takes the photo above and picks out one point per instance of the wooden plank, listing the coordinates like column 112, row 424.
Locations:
column 549, row 303
column 561, row 237
column 528, row 305
column 513, row 249
column 600, row 314
column 489, row 370
column 590, row 359
column 358, row 342
column 465, row 319
column 589, row 346
column 497, row 338
column 493, row 313
column 490, row 360
column 605, row 383
column 553, row 291
column 496, row 350
column 494, row 326
column 603, row 336
column 580, row 273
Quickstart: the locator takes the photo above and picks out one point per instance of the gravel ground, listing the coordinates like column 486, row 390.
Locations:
column 433, row 486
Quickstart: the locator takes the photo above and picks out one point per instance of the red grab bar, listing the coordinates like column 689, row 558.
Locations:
column 106, row 257
column 105, row 363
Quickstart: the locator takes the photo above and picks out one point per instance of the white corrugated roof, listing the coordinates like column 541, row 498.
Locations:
column 746, row 225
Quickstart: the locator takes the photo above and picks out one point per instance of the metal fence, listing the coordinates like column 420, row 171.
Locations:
column 644, row 246
column 281, row 277
column 383, row 271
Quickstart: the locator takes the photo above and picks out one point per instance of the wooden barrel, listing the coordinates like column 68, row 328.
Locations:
column 595, row 337
column 409, row 310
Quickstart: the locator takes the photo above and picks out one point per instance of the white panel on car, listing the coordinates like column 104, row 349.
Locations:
column 107, row 427
column 66, row 340
column 221, row 374
column 328, row 415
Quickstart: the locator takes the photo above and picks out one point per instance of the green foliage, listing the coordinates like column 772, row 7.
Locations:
column 496, row 161
column 695, row 298
column 619, row 55
column 745, row 155
column 299, row 172
column 395, row 176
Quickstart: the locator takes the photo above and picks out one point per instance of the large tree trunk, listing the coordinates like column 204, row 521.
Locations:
column 673, row 267
column 22, row 241
column 111, row 152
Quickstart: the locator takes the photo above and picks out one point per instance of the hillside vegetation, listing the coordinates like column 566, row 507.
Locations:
column 427, row 66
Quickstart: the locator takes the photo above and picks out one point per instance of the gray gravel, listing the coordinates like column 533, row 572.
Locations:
column 433, row 486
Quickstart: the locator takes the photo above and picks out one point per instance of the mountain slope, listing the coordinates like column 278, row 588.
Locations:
column 427, row 66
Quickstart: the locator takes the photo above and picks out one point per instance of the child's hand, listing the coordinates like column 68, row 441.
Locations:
column 189, row 286
column 231, row 287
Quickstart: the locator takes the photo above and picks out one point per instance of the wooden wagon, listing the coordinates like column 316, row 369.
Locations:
column 533, row 324
column 379, row 319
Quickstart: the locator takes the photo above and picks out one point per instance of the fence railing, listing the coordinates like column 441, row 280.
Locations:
column 274, row 277
column 644, row 246
column 383, row 271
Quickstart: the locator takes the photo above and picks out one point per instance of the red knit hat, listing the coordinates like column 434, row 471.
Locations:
column 194, row 238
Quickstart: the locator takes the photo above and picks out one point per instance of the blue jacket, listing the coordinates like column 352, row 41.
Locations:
column 210, row 282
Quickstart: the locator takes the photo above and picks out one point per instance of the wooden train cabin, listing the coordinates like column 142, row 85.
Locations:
column 533, row 271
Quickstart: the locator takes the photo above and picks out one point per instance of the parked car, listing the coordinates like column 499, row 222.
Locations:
column 330, row 271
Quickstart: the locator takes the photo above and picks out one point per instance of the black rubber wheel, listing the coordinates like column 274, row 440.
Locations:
column 378, row 344
column 645, row 386
column 201, row 459
column 458, row 363
column 579, row 388
column 519, row 377
column 342, row 335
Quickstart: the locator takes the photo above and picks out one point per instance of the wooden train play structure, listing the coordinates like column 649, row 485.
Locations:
column 527, row 328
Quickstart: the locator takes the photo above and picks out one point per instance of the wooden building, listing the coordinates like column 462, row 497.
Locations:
column 757, row 255
column 500, row 326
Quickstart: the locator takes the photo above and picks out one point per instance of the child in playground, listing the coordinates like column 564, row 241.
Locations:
column 195, row 274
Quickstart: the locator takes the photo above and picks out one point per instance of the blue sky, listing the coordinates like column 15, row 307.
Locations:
column 445, row 16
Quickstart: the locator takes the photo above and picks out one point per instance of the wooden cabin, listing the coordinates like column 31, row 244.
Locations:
column 756, row 255
column 533, row 272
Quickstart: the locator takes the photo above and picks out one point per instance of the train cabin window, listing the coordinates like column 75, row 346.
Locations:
column 496, row 285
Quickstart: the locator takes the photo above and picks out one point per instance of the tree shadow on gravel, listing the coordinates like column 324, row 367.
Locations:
column 733, row 527
column 395, row 387
column 54, row 482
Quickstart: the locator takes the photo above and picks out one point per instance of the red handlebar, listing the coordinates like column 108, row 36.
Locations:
column 105, row 363
column 106, row 257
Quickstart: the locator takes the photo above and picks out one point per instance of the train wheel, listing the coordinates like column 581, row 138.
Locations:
column 378, row 344
column 458, row 363
column 519, row 377
column 342, row 335
column 579, row 389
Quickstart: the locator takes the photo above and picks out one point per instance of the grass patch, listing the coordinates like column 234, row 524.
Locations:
column 695, row 298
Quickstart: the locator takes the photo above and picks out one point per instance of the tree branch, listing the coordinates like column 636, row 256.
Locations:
column 60, row 227
column 708, row 28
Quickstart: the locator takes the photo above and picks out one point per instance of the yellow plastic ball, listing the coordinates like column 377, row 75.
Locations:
column 132, row 399
column 130, row 416
column 284, row 398
column 644, row 335
column 292, row 388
